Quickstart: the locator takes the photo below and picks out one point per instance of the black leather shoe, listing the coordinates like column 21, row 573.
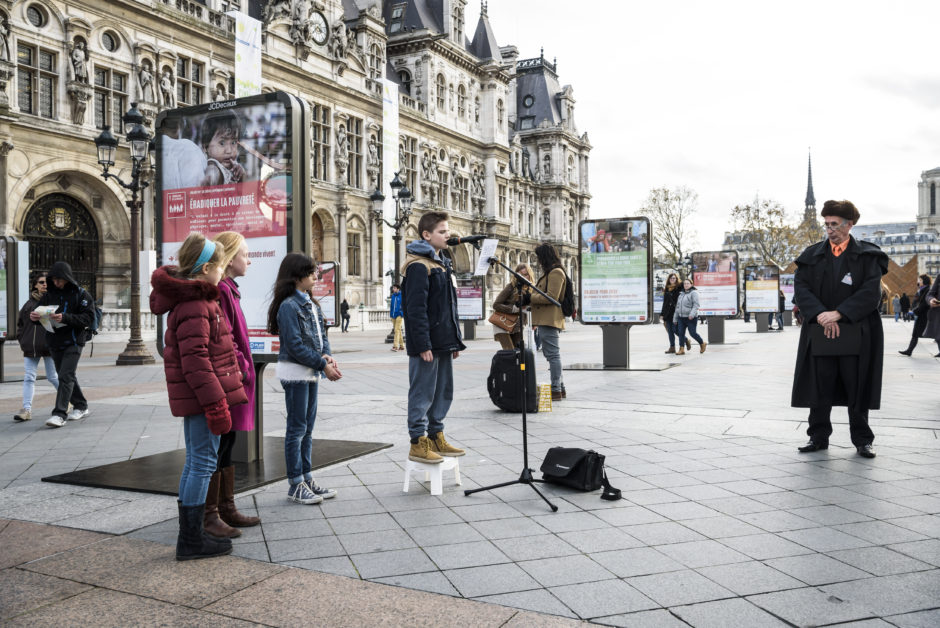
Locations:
column 813, row 446
column 866, row 451
column 907, row 353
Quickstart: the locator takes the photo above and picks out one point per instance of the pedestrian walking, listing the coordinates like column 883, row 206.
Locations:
column 905, row 307
column 506, row 303
column 838, row 287
column 686, row 317
column 395, row 313
column 32, row 339
column 203, row 379
column 671, row 292
column 896, row 306
column 304, row 357
column 344, row 314
column 222, row 518
column 433, row 337
column 747, row 315
column 920, row 308
column 73, row 316
column 547, row 316
column 933, row 312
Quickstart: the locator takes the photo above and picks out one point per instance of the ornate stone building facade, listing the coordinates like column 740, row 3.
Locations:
column 484, row 135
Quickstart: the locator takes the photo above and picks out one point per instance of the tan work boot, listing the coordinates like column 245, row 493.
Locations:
column 421, row 452
column 701, row 347
column 681, row 351
column 442, row 447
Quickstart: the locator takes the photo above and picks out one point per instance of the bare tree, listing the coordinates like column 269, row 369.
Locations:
column 670, row 211
column 773, row 234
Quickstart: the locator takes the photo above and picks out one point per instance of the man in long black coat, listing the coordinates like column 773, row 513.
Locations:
column 838, row 281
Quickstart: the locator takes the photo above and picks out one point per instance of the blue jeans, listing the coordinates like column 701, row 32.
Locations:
column 30, row 366
column 301, row 399
column 690, row 325
column 671, row 330
column 552, row 352
column 202, row 451
column 430, row 393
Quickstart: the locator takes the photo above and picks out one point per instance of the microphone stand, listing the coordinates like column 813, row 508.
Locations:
column 526, row 476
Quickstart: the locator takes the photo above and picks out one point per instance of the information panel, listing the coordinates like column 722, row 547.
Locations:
column 786, row 285
column 616, row 271
column 326, row 292
column 761, row 288
column 715, row 274
column 230, row 166
column 470, row 303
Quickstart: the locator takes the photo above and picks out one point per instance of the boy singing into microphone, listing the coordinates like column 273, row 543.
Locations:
column 432, row 338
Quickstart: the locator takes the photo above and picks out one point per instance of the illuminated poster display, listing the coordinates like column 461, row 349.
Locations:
column 229, row 166
column 761, row 287
column 470, row 305
column 616, row 271
column 786, row 285
column 715, row 274
column 326, row 293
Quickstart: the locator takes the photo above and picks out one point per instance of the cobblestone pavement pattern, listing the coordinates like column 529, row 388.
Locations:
column 722, row 523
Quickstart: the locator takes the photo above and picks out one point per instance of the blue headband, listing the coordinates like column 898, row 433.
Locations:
column 208, row 250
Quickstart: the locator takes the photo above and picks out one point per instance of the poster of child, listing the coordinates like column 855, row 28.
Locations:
column 219, row 135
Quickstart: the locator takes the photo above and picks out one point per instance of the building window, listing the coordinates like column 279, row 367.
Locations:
column 442, row 189
column 502, row 201
column 109, row 41
column 375, row 62
column 500, row 114
column 404, row 77
column 320, row 142
column 457, row 17
column 110, row 99
column 36, row 81
column 526, row 123
column 409, row 152
column 461, row 102
column 354, row 137
column 189, row 78
column 36, row 16
column 441, row 91
column 461, row 193
column 353, row 254
column 933, row 199
column 396, row 19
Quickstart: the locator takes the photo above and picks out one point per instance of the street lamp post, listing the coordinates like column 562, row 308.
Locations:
column 141, row 145
column 402, row 197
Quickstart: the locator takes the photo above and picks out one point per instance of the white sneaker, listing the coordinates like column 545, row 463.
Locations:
column 23, row 415
column 55, row 421
column 77, row 414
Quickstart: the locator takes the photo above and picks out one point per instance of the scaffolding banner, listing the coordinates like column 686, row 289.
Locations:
column 390, row 166
column 247, row 55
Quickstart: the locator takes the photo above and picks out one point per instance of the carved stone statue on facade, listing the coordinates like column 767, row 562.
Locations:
column 145, row 83
column 300, row 22
column 338, row 41
column 275, row 10
column 78, row 57
column 79, row 95
column 433, row 179
column 546, row 221
column 4, row 42
column 479, row 191
column 372, row 163
column 341, row 158
column 167, row 90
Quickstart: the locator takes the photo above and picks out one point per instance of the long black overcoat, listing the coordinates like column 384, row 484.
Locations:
column 867, row 263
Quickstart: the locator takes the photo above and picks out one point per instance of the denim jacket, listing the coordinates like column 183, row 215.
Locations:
column 300, row 357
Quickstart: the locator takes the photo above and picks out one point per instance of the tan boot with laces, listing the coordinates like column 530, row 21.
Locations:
column 440, row 445
column 421, row 452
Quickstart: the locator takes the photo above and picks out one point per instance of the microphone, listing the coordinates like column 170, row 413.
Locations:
column 470, row 239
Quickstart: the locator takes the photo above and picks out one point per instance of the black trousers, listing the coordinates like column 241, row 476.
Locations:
column 66, row 363
column 226, row 444
column 345, row 326
column 833, row 373
column 920, row 324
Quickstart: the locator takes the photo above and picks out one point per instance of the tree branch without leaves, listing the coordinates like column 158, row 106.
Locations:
column 670, row 211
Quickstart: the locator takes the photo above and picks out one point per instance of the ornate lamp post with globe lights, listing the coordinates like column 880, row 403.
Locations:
column 402, row 197
column 141, row 149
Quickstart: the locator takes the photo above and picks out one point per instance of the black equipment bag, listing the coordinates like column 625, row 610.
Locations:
column 574, row 468
column 505, row 381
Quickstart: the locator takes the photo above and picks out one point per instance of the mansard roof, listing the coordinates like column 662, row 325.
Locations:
column 537, row 78
column 418, row 15
column 484, row 44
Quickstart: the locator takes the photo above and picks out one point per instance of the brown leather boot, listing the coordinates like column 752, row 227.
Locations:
column 227, row 511
column 212, row 524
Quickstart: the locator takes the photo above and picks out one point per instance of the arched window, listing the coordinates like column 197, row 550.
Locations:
column 375, row 61
column 441, row 91
column 461, row 102
column 404, row 77
column 500, row 113
column 571, row 170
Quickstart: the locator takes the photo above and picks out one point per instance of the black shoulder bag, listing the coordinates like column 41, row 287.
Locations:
column 579, row 469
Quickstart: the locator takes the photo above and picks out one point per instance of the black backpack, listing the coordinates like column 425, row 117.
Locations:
column 567, row 298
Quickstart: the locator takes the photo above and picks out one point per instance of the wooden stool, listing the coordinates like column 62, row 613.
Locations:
column 433, row 472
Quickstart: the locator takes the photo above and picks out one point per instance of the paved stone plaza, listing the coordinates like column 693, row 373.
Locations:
column 722, row 523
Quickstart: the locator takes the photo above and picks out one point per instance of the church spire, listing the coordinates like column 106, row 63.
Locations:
column 809, row 212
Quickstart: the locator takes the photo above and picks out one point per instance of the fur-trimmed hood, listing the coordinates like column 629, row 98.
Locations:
column 169, row 290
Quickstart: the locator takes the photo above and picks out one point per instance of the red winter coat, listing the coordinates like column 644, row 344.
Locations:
column 198, row 355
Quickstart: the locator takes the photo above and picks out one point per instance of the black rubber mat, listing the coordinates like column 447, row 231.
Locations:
column 160, row 473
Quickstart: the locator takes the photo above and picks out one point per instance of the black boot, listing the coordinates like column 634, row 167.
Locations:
column 193, row 542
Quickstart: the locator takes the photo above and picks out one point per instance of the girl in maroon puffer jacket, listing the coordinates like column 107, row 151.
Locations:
column 202, row 379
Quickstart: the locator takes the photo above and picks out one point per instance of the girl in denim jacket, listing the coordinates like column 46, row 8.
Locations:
column 303, row 357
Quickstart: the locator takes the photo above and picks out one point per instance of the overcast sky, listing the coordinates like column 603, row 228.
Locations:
column 727, row 98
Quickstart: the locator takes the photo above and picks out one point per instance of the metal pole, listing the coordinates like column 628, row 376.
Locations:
column 136, row 352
